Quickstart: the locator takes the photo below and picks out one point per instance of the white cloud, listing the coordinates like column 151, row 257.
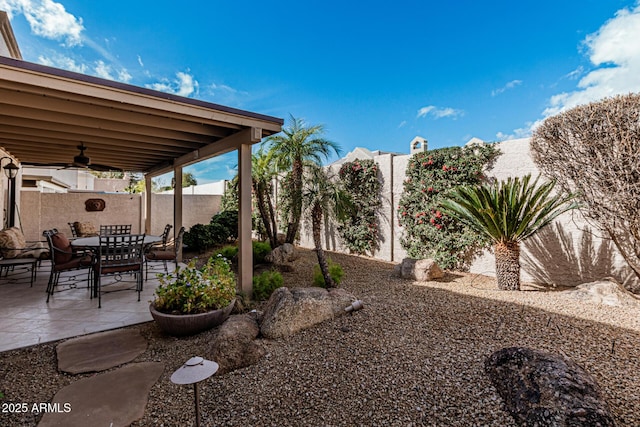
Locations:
column 575, row 74
column 183, row 85
column 64, row 62
column 47, row 19
column 402, row 124
column 438, row 112
column 615, row 52
column 510, row 85
column 140, row 61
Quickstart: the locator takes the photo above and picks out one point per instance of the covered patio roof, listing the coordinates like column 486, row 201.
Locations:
column 45, row 113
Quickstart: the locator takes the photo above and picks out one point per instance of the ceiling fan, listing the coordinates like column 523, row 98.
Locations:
column 81, row 161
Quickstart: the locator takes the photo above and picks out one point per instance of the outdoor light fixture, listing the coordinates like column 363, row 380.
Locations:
column 193, row 371
column 11, row 170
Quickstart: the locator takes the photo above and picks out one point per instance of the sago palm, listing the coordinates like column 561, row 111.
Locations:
column 297, row 145
column 507, row 213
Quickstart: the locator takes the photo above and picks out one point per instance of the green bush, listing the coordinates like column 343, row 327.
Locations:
column 265, row 284
column 229, row 252
column 191, row 290
column 260, row 250
column 227, row 221
column 335, row 271
column 428, row 232
column 201, row 237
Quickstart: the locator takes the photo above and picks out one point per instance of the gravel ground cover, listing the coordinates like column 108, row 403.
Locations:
column 413, row 356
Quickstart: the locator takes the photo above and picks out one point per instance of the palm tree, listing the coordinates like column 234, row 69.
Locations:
column 507, row 213
column 296, row 146
column 262, row 173
column 322, row 197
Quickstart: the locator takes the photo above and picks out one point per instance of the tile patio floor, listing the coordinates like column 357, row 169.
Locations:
column 26, row 318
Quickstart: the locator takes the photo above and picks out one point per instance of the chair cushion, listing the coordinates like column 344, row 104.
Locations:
column 85, row 229
column 65, row 253
column 161, row 255
column 12, row 242
column 75, row 263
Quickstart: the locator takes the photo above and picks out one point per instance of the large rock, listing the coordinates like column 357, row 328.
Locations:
column 235, row 346
column 291, row 310
column 606, row 292
column 421, row 270
column 283, row 254
column 545, row 389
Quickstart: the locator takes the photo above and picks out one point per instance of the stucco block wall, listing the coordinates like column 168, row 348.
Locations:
column 43, row 211
column 568, row 252
column 196, row 209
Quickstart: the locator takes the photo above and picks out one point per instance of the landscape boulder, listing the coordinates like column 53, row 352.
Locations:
column 283, row 254
column 607, row 292
column 235, row 346
column 421, row 270
column 544, row 389
column 291, row 310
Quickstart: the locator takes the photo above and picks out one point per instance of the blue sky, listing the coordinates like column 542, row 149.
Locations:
column 376, row 74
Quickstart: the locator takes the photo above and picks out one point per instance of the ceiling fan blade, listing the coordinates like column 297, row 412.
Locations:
column 103, row 168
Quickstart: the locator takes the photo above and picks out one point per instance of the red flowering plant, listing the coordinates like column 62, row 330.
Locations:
column 359, row 231
column 428, row 232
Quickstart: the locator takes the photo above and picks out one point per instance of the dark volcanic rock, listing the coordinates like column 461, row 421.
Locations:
column 544, row 389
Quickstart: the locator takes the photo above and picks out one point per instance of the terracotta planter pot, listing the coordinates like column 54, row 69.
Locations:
column 189, row 324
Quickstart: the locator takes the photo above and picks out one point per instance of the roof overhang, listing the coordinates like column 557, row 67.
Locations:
column 45, row 113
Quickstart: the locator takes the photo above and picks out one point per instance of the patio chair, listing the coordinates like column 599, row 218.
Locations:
column 74, row 232
column 117, row 255
column 119, row 229
column 162, row 244
column 64, row 259
column 14, row 246
column 170, row 252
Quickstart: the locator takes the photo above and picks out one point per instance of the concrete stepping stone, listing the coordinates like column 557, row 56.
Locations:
column 97, row 352
column 115, row 398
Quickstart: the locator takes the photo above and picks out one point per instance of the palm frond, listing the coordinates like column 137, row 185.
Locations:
column 512, row 210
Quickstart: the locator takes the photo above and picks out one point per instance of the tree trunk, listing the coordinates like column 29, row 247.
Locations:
column 259, row 191
column 508, row 265
column 274, row 224
column 316, row 221
column 296, row 202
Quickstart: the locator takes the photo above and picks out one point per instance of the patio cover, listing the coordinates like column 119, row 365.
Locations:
column 46, row 112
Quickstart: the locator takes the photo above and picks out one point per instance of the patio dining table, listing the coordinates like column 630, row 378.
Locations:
column 94, row 241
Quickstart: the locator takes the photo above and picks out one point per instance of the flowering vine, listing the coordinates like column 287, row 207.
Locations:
column 359, row 232
column 428, row 233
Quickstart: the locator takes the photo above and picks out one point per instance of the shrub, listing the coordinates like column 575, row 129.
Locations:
column 200, row 237
column 335, row 271
column 428, row 232
column 190, row 290
column 359, row 231
column 260, row 251
column 229, row 252
column 228, row 223
column 265, row 284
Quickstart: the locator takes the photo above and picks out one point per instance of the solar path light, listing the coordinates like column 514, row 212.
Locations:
column 193, row 371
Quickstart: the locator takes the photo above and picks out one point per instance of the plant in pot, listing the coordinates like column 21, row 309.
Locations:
column 191, row 299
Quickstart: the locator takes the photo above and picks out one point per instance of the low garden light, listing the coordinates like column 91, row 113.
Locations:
column 193, row 371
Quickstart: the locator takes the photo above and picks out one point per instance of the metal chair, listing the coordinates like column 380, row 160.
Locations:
column 63, row 259
column 169, row 253
column 117, row 255
column 119, row 229
column 74, row 231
